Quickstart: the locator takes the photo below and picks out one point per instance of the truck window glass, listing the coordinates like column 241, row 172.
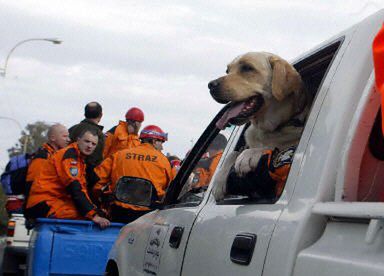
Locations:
column 198, row 181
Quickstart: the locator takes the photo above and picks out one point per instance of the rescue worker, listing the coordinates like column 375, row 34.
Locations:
column 207, row 165
column 125, row 134
column 58, row 138
column 175, row 164
column 59, row 191
column 93, row 113
column 144, row 161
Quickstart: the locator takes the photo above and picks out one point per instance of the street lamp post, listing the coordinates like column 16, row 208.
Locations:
column 3, row 71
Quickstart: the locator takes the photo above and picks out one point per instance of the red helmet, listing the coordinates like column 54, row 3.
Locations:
column 153, row 132
column 175, row 163
column 134, row 114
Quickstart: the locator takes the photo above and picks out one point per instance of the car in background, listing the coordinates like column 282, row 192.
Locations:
column 16, row 248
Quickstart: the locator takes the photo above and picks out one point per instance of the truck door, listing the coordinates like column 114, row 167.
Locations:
column 231, row 236
column 155, row 243
column 193, row 234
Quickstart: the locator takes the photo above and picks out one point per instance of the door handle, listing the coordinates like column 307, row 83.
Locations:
column 242, row 248
column 175, row 237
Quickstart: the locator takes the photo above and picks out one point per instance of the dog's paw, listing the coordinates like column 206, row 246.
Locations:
column 247, row 161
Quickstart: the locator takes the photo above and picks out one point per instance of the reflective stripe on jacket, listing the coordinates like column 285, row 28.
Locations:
column 143, row 161
column 279, row 164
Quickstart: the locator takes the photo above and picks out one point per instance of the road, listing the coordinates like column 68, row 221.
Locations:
column 2, row 246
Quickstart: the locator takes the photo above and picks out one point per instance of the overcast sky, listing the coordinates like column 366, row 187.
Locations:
column 157, row 55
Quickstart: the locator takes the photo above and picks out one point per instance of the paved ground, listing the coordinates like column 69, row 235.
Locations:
column 2, row 245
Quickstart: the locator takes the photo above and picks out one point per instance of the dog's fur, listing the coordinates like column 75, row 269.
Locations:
column 274, row 94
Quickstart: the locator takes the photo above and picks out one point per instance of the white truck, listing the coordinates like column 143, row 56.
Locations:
column 329, row 219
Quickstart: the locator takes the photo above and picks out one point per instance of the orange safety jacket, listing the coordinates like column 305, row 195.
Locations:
column 39, row 160
column 269, row 177
column 143, row 161
column 205, row 170
column 279, row 165
column 118, row 138
column 61, row 185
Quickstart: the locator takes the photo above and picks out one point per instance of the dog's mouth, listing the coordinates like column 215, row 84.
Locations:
column 240, row 112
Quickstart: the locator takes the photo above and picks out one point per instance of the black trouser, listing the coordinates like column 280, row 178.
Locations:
column 40, row 210
column 124, row 215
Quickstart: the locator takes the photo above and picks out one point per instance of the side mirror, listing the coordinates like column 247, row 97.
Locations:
column 136, row 191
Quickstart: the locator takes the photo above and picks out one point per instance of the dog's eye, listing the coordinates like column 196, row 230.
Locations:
column 227, row 71
column 246, row 68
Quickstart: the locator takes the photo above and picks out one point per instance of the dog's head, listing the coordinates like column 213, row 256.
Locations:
column 262, row 87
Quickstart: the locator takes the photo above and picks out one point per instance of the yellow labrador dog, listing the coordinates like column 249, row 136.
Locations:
column 267, row 91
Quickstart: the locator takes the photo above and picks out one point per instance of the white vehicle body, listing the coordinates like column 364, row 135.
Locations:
column 320, row 225
column 16, row 249
column 21, row 237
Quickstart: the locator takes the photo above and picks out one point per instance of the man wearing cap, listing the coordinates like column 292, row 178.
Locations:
column 125, row 134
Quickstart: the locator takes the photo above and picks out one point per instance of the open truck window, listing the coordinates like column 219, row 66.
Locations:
column 198, row 168
column 359, row 193
column 361, row 173
column 370, row 184
column 200, row 178
column 313, row 70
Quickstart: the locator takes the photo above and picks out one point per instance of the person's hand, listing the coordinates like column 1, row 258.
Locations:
column 102, row 222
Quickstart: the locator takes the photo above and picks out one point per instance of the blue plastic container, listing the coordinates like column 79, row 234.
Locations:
column 70, row 247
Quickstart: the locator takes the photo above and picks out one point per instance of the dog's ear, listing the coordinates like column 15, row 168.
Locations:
column 285, row 78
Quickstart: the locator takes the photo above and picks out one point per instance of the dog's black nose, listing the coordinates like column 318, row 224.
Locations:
column 212, row 85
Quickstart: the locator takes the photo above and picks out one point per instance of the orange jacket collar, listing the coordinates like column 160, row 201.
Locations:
column 123, row 132
column 49, row 148
column 149, row 146
column 76, row 147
